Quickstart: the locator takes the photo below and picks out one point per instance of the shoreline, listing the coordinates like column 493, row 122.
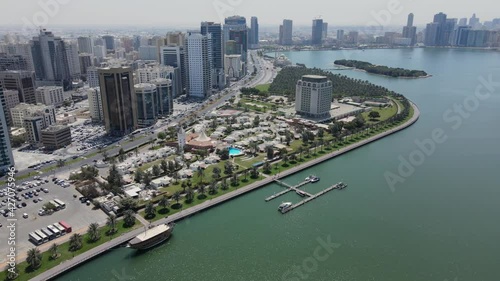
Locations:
column 342, row 67
column 102, row 249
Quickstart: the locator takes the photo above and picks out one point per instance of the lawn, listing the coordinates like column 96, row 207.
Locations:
column 263, row 87
column 26, row 273
column 385, row 113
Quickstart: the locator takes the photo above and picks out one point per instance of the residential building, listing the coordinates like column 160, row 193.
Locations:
column 215, row 29
column 235, row 28
column 50, row 95
column 86, row 61
column 92, row 77
column 9, row 99
column 73, row 60
column 254, row 33
column 313, row 96
column 6, row 157
column 317, row 32
column 109, row 42
column 340, row 35
column 165, row 102
column 23, row 110
column 118, row 100
column 175, row 56
column 233, row 67
column 287, row 31
column 56, row 137
column 324, row 31
column 33, row 126
column 148, row 53
column 199, row 64
column 21, row 81
column 410, row 31
column 95, row 105
column 147, row 98
column 13, row 62
column 85, row 44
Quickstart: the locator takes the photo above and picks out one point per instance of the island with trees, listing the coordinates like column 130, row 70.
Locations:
column 382, row 70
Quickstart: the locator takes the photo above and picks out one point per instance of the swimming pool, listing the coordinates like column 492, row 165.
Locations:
column 235, row 152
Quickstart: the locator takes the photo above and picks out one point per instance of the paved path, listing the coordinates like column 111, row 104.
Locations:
column 213, row 202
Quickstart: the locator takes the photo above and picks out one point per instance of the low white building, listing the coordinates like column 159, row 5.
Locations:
column 50, row 95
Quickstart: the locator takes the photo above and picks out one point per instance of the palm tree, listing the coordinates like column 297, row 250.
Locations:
column 34, row 258
column 202, row 189
column 245, row 174
column 150, row 210
column 75, row 242
column 164, row 166
column 93, row 232
column 183, row 185
column 200, row 173
column 285, row 160
column 216, row 173
column 224, row 185
column 111, row 222
column 234, row 180
column 177, row 196
column 163, row 202
column 129, row 218
column 189, row 195
column 61, row 163
column 212, row 189
column 253, row 147
column 54, row 253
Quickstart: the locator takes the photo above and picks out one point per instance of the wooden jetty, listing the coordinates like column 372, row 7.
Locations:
column 339, row 186
column 289, row 188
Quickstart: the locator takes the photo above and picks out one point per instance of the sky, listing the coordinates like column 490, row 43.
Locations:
column 172, row 13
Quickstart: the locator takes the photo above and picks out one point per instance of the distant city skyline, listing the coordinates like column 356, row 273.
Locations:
column 112, row 12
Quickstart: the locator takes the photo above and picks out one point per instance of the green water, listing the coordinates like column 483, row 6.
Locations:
column 440, row 224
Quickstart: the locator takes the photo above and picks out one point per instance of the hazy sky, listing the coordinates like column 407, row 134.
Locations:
column 270, row 12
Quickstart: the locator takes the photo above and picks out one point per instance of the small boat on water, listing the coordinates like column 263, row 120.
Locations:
column 284, row 206
column 151, row 237
column 312, row 179
column 300, row 193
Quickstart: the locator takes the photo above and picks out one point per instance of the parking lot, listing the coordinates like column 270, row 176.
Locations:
column 78, row 215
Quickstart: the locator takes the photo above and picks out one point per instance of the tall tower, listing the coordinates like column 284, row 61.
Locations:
column 317, row 32
column 235, row 28
column 199, row 64
column 254, row 33
column 215, row 29
column 6, row 158
column 118, row 100
column 287, row 32
column 85, row 44
column 410, row 31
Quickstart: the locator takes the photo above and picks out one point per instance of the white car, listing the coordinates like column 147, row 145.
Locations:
column 41, row 212
column 25, row 215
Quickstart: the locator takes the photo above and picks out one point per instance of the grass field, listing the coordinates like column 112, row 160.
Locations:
column 263, row 87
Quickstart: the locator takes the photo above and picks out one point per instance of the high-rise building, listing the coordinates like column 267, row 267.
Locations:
column 325, row 31
column 33, row 126
column 148, row 53
column 109, row 42
column 13, row 62
column 474, row 22
column 147, row 98
column 56, row 137
column 10, row 99
column 215, row 29
column 254, row 33
column 287, row 38
column 175, row 39
column 50, row 58
column 354, row 37
column 99, row 53
column 21, row 81
column 92, row 77
column 85, row 62
column 410, row 31
column 50, row 95
column 24, row 50
column 431, row 34
column 235, row 28
column 175, row 56
column 317, row 32
column 313, row 96
column 6, row 158
column 73, row 60
column 439, row 32
column 462, row 22
column 340, row 35
column 95, row 105
column 233, row 66
column 118, row 100
column 85, row 44
column 199, row 64
column 165, row 99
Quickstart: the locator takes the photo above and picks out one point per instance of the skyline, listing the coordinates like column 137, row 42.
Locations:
column 154, row 13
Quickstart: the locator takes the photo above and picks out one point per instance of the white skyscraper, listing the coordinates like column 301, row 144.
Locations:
column 313, row 96
column 73, row 59
column 92, row 77
column 85, row 44
column 199, row 64
column 95, row 104
column 50, row 95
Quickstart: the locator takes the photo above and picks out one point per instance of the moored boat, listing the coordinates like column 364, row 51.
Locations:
column 284, row 206
column 151, row 237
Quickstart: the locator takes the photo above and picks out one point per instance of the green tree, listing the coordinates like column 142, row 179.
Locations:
column 121, row 155
column 228, row 168
column 75, row 242
column 111, row 223
column 216, row 173
column 129, row 218
column 164, row 203
column 177, row 196
column 212, row 189
column 224, row 185
column 138, row 175
column 189, row 195
column 200, row 173
column 254, row 173
column 374, row 115
column 269, row 152
column 148, row 178
column 61, row 163
column 267, row 168
column 156, row 171
column 234, row 180
column 54, row 251
column 93, row 232
column 127, row 203
column 162, row 136
column 164, row 166
column 150, row 210
column 34, row 258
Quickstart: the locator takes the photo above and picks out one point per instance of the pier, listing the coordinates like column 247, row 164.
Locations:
column 289, row 188
column 338, row 186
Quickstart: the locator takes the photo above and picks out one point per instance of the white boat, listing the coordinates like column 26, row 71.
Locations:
column 314, row 179
column 284, row 206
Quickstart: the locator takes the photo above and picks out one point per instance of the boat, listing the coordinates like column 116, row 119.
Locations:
column 314, row 179
column 300, row 193
column 284, row 206
column 151, row 237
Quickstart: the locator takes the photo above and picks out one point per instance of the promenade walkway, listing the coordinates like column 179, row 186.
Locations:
column 208, row 204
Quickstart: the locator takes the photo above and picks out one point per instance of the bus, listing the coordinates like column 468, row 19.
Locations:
column 49, row 233
column 40, row 234
column 66, row 226
column 54, row 230
column 61, row 203
column 35, row 239
column 53, row 202
column 60, row 228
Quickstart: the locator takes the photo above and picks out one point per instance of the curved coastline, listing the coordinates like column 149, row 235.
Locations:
column 102, row 249
column 342, row 67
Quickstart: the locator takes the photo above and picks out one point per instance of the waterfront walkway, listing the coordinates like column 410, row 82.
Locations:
column 51, row 273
